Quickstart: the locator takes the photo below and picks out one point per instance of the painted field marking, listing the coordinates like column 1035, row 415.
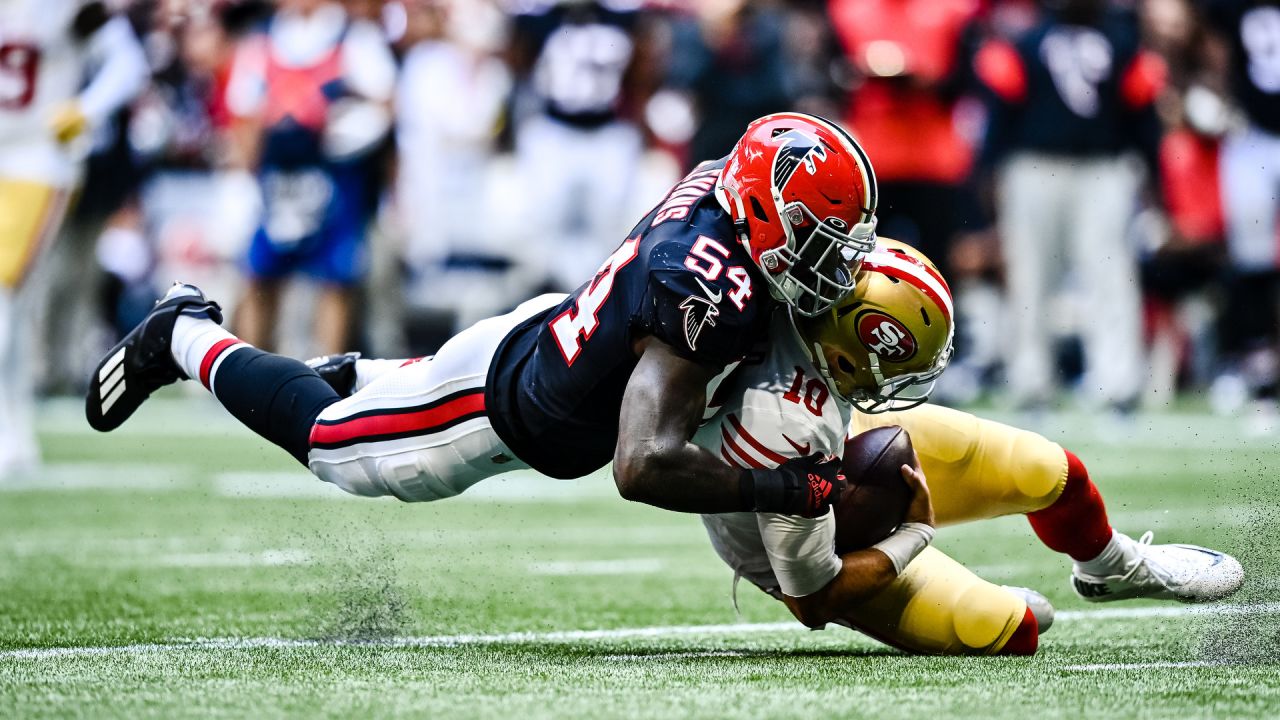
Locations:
column 299, row 485
column 635, row 566
column 569, row 636
column 265, row 558
column 76, row 477
column 1105, row 667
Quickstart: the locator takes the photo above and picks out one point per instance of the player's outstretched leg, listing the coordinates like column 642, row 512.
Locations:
column 277, row 397
column 1110, row 565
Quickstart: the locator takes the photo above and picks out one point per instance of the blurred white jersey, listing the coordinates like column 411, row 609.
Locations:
column 773, row 410
column 42, row 65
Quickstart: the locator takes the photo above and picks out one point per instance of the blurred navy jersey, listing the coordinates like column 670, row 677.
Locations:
column 555, row 386
column 1072, row 89
column 582, row 53
column 1252, row 30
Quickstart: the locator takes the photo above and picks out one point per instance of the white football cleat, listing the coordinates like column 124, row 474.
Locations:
column 1038, row 604
column 1187, row 573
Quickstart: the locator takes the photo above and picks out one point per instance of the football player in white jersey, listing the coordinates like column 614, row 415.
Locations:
column 881, row 350
column 46, row 107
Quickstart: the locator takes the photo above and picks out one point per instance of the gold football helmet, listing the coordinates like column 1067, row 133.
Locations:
column 884, row 346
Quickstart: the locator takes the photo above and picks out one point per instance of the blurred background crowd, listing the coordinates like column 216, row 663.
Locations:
column 1098, row 180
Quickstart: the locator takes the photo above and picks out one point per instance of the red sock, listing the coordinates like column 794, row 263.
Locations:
column 1076, row 523
column 1025, row 639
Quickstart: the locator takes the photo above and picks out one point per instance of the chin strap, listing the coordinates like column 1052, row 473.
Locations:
column 874, row 359
column 815, row 353
column 737, row 210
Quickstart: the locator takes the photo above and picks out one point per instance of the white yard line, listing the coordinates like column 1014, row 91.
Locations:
column 633, row 566
column 76, row 477
column 1106, row 667
column 265, row 558
column 296, row 484
column 569, row 636
column 1167, row 611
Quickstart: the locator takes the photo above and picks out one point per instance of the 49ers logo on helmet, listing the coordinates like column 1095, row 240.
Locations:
column 885, row 336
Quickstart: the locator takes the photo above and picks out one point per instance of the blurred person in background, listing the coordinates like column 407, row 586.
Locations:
column 727, row 57
column 188, row 218
column 47, row 48
column 1072, row 102
column 1181, row 268
column 585, row 67
column 450, row 100
column 311, row 97
column 1248, row 32
column 909, row 85
column 909, row 60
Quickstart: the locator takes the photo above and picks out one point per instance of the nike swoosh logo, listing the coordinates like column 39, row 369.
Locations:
column 802, row 449
column 715, row 297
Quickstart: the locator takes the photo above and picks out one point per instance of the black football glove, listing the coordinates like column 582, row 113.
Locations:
column 337, row 370
column 804, row 486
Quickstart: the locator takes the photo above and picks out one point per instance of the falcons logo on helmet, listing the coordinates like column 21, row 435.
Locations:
column 797, row 148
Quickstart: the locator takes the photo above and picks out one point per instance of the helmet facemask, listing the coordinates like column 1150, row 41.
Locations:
column 883, row 348
column 819, row 259
column 902, row 392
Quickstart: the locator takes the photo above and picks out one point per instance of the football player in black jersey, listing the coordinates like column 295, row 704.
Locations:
column 1248, row 32
column 617, row 370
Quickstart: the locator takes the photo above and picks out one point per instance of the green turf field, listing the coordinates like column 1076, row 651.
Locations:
column 181, row 567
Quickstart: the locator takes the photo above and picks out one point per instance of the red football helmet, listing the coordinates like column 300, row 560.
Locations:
column 802, row 196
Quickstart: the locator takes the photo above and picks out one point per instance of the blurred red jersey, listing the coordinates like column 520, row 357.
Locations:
column 905, row 49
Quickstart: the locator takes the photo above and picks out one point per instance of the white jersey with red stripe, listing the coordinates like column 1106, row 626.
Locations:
column 774, row 410
column 42, row 65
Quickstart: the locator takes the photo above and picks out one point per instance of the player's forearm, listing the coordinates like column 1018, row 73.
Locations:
column 863, row 574
column 654, row 462
column 122, row 75
column 681, row 477
column 244, row 140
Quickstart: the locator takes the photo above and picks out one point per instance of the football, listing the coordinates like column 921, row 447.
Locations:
column 877, row 497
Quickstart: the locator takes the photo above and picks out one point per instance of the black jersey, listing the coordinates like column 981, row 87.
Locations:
column 1252, row 28
column 583, row 51
column 1084, row 95
column 555, row 386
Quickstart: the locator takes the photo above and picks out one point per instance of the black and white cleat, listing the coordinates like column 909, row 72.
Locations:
column 142, row 362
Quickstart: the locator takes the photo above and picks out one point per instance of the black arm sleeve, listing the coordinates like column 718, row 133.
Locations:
column 89, row 20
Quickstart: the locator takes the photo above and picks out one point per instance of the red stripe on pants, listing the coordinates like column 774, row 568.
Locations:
column 393, row 423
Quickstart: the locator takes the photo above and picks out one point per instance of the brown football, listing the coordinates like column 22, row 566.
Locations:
column 876, row 500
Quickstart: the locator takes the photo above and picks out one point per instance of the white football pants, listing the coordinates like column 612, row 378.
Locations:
column 1250, row 167
column 579, row 181
column 1058, row 216
column 421, row 432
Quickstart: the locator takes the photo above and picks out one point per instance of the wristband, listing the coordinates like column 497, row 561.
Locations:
column 764, row 490
column 908, row 541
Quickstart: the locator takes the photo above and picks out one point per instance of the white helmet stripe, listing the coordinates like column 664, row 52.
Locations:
column 896, row 266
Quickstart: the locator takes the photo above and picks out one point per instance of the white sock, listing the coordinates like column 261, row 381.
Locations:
column 1114, row 559
column 199, row 345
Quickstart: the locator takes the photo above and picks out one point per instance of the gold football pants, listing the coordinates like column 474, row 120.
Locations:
column 30, row 214
column 975, row 469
